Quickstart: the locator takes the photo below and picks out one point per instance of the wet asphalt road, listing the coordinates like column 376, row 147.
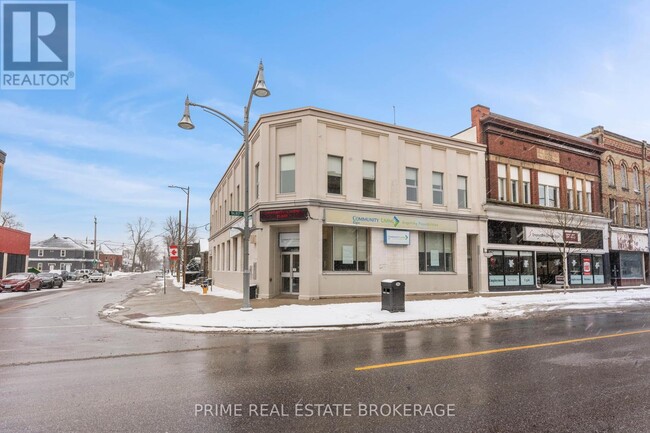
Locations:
column 63, row 369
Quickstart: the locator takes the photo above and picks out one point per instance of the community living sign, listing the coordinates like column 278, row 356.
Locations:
column 390, row 221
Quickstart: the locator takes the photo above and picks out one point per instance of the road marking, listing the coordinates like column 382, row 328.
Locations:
column 493, row 351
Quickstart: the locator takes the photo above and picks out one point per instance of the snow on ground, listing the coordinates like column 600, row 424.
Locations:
column 333, row 316
column 215, row 291
column 116, row 275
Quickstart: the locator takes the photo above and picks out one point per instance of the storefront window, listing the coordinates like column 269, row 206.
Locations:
column 495, row 269
column 436, row 252
column 345, row 249
column 631, row 265
column 511, row 268
column 598, row 270
column 575, row 269
column 526, row 270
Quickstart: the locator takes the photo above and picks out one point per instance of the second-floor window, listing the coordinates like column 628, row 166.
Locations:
column 588, row 196
column 501, row 182
column 257, row 181
column 287, row 173
column 610, row 173
column 369, row 181
column 637, row 215
column 334, row 174
column 438, row 188
column 462, row 192
column 525, row 174
column 624, row 183
column 40, row 253
column 548, row 187
column 569, row 192
column 626, row 213
column 514, row 184
column 635, row 175
column 579, row 201
column 62, row 253
column 411, row 184
column 613, row 212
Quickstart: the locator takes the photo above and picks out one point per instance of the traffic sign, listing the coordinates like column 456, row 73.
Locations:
column 173, row 252
column 236, row 213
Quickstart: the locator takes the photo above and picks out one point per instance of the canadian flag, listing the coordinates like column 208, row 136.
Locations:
column 173, row 252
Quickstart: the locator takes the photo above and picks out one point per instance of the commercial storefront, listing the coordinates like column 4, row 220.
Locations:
column 349, row 252
column 626, row 256
column 529, row 256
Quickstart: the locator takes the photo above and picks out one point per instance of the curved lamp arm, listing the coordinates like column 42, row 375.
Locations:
column 221, row 115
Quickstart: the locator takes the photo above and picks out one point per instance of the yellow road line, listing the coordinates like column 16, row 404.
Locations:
column 502, row 350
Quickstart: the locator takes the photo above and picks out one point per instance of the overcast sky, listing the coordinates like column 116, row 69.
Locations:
column 110, row 148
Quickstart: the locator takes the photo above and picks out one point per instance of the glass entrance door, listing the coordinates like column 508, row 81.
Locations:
column 290, row 273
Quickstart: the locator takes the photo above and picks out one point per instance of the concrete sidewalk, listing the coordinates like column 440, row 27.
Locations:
column 152, row 301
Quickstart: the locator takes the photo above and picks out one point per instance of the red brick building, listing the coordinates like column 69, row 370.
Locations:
column 14, row 250
column 540, row 183
column 625, row 169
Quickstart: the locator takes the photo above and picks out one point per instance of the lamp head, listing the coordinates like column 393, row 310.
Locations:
column 260, row 89
column 186, row 121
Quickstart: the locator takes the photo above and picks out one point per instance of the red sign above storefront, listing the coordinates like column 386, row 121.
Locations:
column 284, row 215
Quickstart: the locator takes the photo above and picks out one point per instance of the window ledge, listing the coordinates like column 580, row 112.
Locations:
column 336, row 196
column 437, row 273
column 371, row 199
column 413, row 204
column 347, row 273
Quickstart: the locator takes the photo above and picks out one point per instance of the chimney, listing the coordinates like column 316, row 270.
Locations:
column 479, row 112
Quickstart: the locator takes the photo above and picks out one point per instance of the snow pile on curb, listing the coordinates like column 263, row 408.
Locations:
column 334, row 316
column 216, row 291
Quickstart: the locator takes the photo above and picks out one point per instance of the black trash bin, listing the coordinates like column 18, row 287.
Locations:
column 392, row 295
column 253, row 291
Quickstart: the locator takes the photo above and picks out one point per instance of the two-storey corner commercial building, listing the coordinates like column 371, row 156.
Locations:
column 543, row 202
column 624, row 169
column 341, row 203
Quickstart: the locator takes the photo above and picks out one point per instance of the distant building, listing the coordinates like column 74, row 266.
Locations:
column 60, row 253
column 109, row 259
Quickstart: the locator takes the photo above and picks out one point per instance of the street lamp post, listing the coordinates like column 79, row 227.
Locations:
column 259, row 89
column 187, row 214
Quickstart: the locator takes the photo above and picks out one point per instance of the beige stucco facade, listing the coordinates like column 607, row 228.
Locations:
column 328, row 227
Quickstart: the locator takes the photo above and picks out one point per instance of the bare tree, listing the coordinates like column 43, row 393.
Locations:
column 571, row 233
column 138, row 233
column 10, row 220
column 148, row 255
column 173, row 234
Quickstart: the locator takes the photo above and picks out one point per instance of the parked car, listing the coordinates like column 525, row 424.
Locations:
column 98, row 277
column 49, row 280
column 83, row 274
column 72, row 276
column 20, row 282
column 64, row 274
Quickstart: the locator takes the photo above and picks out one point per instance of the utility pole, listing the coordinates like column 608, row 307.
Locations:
column 95, row 247
column 187, row 223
